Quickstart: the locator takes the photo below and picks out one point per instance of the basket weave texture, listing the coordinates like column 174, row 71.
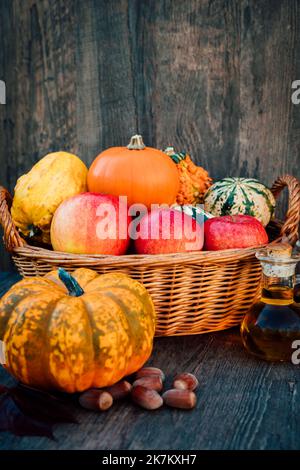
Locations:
column 196, row 292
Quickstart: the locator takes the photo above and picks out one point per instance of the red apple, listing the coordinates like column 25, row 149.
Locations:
column 233, row 231
column 167, row 231
column 91, row 223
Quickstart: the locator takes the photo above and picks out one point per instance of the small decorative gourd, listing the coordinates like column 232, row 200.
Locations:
column 245, row 196
column 197, row 212
column 72, row 333
column 194, row 180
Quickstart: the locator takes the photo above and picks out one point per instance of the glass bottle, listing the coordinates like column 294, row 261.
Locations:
column 273, row 324
column 297, row 281
column 297, row 291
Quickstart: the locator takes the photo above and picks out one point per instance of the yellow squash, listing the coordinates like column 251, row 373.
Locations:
column 38, row 193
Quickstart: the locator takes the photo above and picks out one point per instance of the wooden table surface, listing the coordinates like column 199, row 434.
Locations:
column 243, row 403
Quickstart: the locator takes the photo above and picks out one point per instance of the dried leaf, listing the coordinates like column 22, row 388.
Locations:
column 25, row 411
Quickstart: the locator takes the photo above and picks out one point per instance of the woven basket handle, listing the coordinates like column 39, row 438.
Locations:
column 11, row 237
column 290, row 227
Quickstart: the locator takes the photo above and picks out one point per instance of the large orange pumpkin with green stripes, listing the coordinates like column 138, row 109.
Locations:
column 71, row 333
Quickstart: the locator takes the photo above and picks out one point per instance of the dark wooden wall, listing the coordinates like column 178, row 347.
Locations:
column 212, row 77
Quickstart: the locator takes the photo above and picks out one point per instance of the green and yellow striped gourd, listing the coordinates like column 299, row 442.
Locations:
column 231, row 196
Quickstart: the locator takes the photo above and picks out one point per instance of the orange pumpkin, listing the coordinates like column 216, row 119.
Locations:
column 72, row 333
column 144, row 174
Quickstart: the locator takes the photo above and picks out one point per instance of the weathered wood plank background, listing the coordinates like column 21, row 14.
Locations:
column 212, row 77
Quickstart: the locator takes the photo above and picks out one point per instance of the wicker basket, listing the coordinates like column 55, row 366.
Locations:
column 193, row 293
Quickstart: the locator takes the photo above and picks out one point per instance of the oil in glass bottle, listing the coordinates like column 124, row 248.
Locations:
column 273, row 324
column 297, row 281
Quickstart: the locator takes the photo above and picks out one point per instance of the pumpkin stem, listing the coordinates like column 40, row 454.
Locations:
column 136, row 143
column 176, row 157
column 70, row 282
column 169, row 151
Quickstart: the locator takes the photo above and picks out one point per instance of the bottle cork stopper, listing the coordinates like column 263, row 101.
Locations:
column 277, row 260
column 280, row 250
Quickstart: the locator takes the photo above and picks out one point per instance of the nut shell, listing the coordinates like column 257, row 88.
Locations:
column 183, row 399
column 185, row 381
column 146, row 398
column 153, row 382
column 96, row 400
column 119, row 390
column 146, row 371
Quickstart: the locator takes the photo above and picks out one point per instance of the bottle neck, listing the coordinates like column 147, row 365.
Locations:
column 278, row 290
